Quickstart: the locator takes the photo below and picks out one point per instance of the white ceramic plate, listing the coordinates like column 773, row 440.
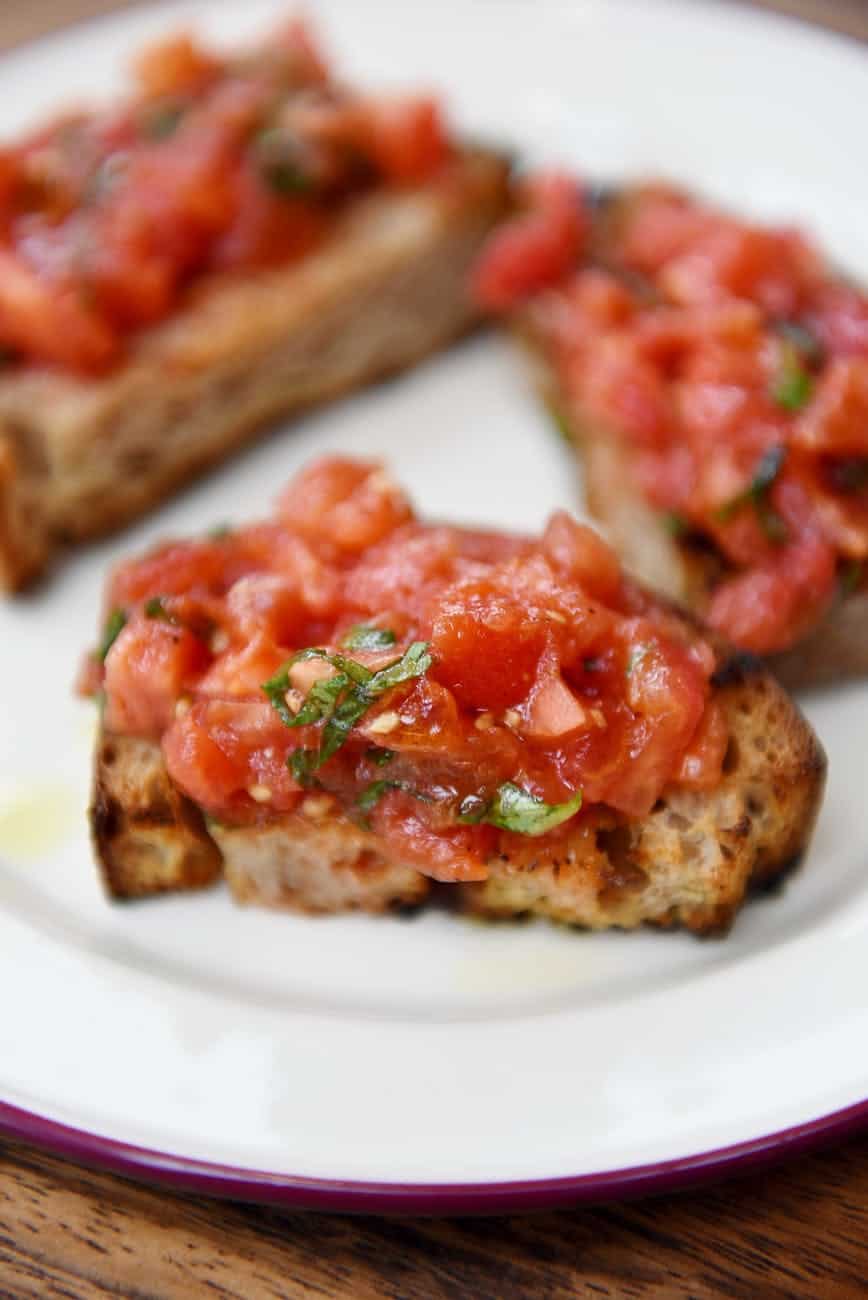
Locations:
column 435, row 1062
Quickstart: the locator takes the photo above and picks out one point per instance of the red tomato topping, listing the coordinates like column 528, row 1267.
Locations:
column 106, row 218
column 734, row 366
column 535, row 249
column 512, row 661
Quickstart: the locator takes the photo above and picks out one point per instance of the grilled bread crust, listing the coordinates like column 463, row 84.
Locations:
column 82, row 457
column 691, row 862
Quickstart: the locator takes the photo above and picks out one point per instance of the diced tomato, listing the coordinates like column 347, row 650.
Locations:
column 522, row 661
column 295, row 40
column 458, row 854
column 348, row 504
column 267, row 228
column 577, row 552
column 175, row 66
column 175, row 568
column 552, row 710
column 536, row 248
column 219, row 751
column 147, row 670
column 701, row 764
column 485, row 645
column 770, row 605
column 835, row 423
column 55, row 323
column 108, row 218
column 406, row 138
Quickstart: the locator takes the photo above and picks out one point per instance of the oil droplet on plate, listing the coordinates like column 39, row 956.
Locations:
column 36, row 819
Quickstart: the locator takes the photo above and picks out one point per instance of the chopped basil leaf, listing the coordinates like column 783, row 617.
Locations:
column 793, row 386
column 154, row 608
column 219, row 532
column 363, row 637
column 593, row 665
column 163, row 121
column 282, row 162
column 372, row 795
column 560, row 421
column 515, row 809
column 115, row 624
column 802, row 339
column 341, row 700
column 675, row 525
column 380, row 757
column 756, row 494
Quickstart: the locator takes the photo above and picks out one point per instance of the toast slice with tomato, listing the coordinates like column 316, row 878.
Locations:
column 713, row 377
column 241, row 240
column 347, row 708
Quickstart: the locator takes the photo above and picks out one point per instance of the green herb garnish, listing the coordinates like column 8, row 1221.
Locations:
column 379, row 757
column 516, row 809
column 338, row 701
column 154, row 608
column 560, row 422
column 756, row 494
column 115, row 624
column 219, row 532
column 798, row 336
column 281, row 160
column 794, row 384
column 364, row 637
column 675, row 525
column 163, row 121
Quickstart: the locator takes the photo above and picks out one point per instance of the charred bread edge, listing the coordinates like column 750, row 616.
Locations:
column 80, row 458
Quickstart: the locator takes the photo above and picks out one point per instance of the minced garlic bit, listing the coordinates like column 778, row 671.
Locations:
column 317, row 806
column 555, row 616
column 485, row 722
column 512, row 718
column 219, row 641
column 598, row 717
column 260, row 793
column 382, row 725
column 182, row 706
column 294, row 700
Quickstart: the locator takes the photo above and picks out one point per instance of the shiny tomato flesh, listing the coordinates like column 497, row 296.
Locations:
column 547, row 670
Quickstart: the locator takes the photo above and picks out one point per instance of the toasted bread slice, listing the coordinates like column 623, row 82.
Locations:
column 81, row 457
column 691, row 862
column 679, row 568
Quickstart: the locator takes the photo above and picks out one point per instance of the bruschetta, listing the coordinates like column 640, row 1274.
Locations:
column 241, row 238
column 714, row 377
column 343, row 707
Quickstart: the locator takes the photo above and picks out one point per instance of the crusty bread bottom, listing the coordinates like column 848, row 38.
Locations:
column 81, row 457
column 690, row 862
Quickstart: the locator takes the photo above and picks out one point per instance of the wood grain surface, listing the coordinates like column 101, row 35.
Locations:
column 800, row 1229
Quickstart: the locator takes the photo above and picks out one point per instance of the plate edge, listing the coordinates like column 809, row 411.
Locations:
column 182, row 1174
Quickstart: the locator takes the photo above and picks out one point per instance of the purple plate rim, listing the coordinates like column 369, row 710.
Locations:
column 187, row 1174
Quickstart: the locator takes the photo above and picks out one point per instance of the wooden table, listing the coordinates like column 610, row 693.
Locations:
column 800, row 1229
